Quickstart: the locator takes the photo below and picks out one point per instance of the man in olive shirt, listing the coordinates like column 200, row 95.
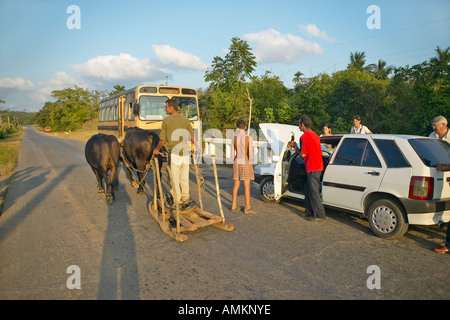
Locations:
column 176, row 135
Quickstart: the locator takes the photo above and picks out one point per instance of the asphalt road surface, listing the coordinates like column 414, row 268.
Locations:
column 59, row 239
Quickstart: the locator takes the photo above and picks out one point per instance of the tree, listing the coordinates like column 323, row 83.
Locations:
column 380, row 71
column 443, row 56
column 226, row 99
column 270, row 100
column 117, row 89
column 238, row 64
column 297, row 77
column 357, row 61
column 72, row 108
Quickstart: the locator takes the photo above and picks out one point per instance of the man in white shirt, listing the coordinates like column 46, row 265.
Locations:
column 439, row 125
column 358, row 127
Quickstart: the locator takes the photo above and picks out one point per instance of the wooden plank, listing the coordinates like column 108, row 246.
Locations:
column 165, row 226
column 209, row 215
column 195, row 218
column 224, row 226
column 184, row 222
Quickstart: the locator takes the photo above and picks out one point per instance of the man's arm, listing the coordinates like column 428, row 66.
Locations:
column 159, row 146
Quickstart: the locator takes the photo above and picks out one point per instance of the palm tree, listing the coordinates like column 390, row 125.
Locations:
column 380, row 71
column 440, row 65
column 297, row 77
column 357, row 60
column 117, row 89
column 443, row 57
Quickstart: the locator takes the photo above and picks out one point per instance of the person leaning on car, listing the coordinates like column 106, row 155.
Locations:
column 311, row 152
column 441, row 132
column 440, row 129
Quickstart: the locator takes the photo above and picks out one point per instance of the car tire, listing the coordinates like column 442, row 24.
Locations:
column 387, row 219
column 266, row 190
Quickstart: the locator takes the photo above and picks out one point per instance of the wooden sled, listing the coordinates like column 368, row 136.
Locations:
column 173, row 222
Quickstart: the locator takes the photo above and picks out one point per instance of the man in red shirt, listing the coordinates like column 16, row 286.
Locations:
column 311, row 152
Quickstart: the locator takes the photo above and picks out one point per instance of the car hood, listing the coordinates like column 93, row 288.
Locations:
column 277, row 134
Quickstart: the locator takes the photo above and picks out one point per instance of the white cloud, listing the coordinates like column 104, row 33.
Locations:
column 58, row 81
column 123, row 67
column 100, row 73
column 171, row 56
column 311, row 30
column 19, row 84
column 272, row 46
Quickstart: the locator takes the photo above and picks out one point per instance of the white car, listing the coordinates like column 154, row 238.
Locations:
column 392, row 180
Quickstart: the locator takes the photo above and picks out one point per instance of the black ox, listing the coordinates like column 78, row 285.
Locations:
column 138, row 147
column 102, row 153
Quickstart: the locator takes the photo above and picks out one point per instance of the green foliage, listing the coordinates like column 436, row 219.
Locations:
column 389, row 100
column 270, row 100
column 117, row 89
column 72, row 108
column 16, row 120
column 233, row 70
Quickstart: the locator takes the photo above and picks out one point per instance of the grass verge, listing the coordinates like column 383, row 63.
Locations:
column 9, row 151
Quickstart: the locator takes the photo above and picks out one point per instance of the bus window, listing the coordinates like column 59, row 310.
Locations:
column 188, row 107
column 116, row 103
column 130, row 106
column 152, row 108
column 130, row 110
column 125, row 106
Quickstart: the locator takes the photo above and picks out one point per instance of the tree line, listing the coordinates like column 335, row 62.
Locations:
column 12, row 121
column 389, row 99
column 72, row 108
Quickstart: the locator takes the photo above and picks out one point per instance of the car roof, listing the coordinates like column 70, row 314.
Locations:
column 376, row 136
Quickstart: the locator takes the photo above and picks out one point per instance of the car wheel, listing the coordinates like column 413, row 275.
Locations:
column 267, row 191
column 387, row 219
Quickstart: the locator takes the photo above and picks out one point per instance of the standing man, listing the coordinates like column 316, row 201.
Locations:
column 176, row 135
column 311, row 152
column 358, row 128
column 439, row 125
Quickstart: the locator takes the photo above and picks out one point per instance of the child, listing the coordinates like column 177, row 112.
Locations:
column 242, row 152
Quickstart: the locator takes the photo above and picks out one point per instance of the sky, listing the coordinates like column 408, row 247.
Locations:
column 48, row 45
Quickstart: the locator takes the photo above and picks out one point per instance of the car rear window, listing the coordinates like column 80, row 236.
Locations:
column 391, row 154
column 431, row 151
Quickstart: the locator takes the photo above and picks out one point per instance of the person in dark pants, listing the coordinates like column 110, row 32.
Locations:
column 311, row 152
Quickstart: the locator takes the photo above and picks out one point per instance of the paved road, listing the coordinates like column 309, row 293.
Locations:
column 53, row 219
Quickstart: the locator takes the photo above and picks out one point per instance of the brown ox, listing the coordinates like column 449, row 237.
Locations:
column 102, row 153
column 138, row 147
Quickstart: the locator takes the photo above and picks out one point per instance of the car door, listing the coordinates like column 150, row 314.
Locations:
column 354, row 171
column 281, row 172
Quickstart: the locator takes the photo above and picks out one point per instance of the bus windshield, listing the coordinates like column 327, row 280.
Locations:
column 153, row 107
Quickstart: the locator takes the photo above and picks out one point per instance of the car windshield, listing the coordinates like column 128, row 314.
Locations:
column 431, row 151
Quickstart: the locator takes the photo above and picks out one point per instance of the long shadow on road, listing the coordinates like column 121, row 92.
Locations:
column 119, row 277
column 12, row 222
